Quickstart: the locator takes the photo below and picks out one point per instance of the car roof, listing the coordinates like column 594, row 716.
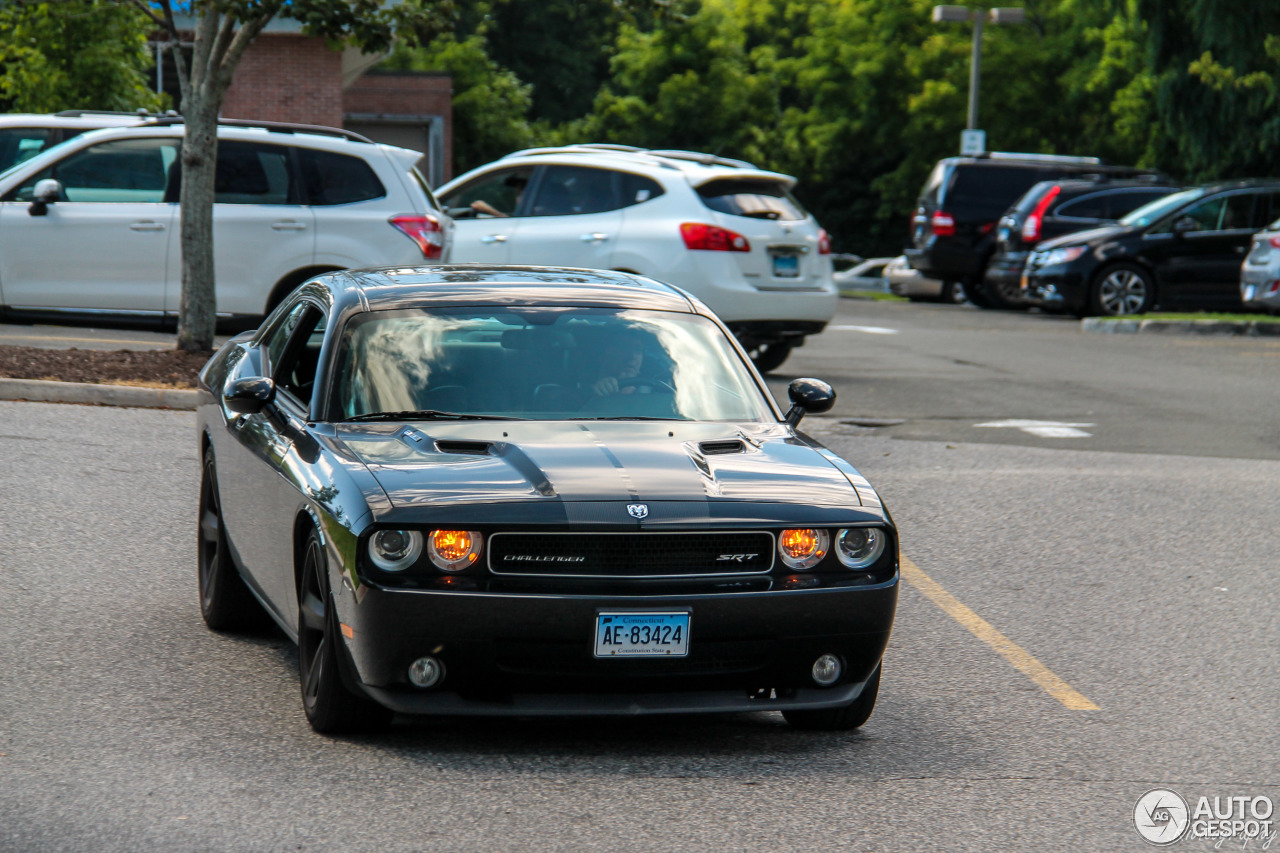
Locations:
column 77, row 119
column 696, row 167
column 1242, row 184
column 388, row 288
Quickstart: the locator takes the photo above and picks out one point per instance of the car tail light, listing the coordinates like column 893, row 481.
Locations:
column 712, row 238
column 824, row 242
column 1275, row 242
column 1274, row 287
column 423, row 230
column 1031, row 228
column 943, row 224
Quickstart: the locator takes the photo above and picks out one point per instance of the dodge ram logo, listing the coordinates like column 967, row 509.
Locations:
column 638, row 510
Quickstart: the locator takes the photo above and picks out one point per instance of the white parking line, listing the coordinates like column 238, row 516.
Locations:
column 1042, row 429
column 870, row 330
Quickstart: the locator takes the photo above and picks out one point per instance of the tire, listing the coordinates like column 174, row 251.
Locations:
column 1004, row 297
column 850, row 716
column 330, row 707
column 1122, row 289
column 769, row 357
column 954, row 293
column 977, row 296
column 225, row 602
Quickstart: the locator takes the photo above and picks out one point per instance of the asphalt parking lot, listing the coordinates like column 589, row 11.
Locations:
column 1083, row 619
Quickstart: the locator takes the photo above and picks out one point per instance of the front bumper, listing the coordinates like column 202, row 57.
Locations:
column 520, row 654
column 1058, row 287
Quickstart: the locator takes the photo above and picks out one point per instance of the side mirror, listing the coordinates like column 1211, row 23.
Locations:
column 1184, row 224
column 809, row 395
column 46, row 193
column 249, row 395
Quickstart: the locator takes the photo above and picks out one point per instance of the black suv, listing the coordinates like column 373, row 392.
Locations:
column 1184, row 249
column 953, row 229
column 1053, row 208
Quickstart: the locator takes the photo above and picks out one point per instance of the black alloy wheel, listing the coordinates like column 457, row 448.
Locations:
column 330, row 707
column 768, row 357
column 850, row 716
column 1122, row 289
column 225, row 602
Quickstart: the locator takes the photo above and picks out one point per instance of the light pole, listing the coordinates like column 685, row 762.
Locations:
column 973, row 138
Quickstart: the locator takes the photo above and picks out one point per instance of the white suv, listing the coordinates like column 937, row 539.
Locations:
column 291, row 202
column 726, row 232
column 24, row 135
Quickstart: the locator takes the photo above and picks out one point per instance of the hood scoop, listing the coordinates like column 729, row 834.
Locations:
column 720, row 448
column 464, row 448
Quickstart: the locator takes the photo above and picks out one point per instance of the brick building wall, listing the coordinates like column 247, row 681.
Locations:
column 287, row 77
column 403, row 99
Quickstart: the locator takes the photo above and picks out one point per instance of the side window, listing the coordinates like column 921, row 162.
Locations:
column 493, row 194
column 331, row 178
column 1126, row 201
column 637, row 189
column 19, row 144
column 294, row 369
column 1092, row 206
column 1206, row 215
column 572, row 190
column 1266, row 210
column 123, row 170
column 280, row 335
column 249, row 173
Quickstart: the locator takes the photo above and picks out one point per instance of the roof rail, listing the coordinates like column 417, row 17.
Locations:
column 662, row 153
column 141, row 113
column 272, row 126
column 1043, row 158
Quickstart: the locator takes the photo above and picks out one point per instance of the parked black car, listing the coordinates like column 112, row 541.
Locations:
column 1183, row 250
column 528, row 491
column 1053, row 208
column 953, row 229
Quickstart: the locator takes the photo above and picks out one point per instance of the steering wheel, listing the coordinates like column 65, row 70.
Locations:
column 645, row 382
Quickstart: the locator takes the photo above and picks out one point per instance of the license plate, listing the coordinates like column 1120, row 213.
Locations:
column 1249, row 291
column 639, row 634
column 786, row 266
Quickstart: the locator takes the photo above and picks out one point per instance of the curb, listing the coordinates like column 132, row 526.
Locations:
column 1180, row 327
column 41, row 391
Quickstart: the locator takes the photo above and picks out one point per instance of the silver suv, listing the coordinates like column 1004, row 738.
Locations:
column 728, row 233
column 24, row 135
column 91, row 225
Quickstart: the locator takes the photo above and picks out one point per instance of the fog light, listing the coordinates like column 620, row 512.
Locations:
column 428, row 672
column 826, row 670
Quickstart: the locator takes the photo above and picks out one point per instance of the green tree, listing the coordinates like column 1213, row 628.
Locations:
column 223, row 29
column 74, row 54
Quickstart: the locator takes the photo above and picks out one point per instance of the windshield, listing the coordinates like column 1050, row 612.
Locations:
column 1152, row 211
column 542, row 364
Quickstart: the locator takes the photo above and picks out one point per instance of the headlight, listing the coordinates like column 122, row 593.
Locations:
column 454, row 550
column 802, row 548
column 859, row 547
column 1065, row 255
column 395, row 550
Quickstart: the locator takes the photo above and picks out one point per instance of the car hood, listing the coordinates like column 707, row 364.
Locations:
column 657, row 463
column 1090, row 237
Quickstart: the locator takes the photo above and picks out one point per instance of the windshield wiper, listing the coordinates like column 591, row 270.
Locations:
column 427, row 415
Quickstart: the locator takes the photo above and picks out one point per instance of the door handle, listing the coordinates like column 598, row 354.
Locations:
column 288, row 225
column 493, row 238
column 595, row 237
column 146, row 225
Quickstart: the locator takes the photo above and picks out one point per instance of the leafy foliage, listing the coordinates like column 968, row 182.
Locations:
column 74, row 54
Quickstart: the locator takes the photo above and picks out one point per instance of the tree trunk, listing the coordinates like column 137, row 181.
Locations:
column 197, row 313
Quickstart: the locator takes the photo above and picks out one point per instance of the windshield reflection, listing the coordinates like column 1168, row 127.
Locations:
column 1153, row 210
column 544, row 364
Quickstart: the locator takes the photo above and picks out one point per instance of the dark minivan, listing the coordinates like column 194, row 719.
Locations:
column 1181, row 250
column 953, row 229
column 1054, row 208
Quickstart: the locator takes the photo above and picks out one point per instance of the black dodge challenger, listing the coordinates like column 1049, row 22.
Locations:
column 534, row 491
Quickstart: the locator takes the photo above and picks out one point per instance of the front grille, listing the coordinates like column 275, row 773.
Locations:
column 639, row 555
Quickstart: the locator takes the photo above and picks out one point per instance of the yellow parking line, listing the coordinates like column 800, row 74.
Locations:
column 980, row 628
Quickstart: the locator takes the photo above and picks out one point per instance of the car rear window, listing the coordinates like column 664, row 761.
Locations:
column 999, row 185
column 761, row 199
column 332, row 178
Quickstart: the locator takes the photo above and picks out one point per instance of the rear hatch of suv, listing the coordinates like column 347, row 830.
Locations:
column 775, row 242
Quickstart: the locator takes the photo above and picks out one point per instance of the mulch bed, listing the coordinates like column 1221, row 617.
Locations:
column 166, row 368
